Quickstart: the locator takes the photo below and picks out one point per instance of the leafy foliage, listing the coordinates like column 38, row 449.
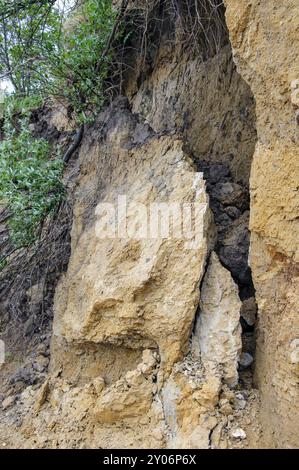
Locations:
column 66, row 55
column 14, row 105
column 82, row 64
column 25, row 36
column 30, row 181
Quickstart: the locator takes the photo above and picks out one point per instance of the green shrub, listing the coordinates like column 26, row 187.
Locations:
column 14, row 105
column 45, row 50
column 79, row 70
column 27, row 30
column 30, row 180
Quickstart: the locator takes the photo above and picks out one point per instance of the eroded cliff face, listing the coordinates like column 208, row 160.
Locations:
column 265, row 42
column 121, row 355
column 154, row 332
column 125, row 284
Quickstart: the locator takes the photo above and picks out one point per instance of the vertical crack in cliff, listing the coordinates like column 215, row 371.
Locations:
column 227, row 178
column 230, row 205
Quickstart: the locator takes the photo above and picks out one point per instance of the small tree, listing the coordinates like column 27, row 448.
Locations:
column 82, row 65
column 26, row 29
column 46, row 49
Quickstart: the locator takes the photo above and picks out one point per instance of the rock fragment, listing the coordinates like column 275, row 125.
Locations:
column 8, row 402
column 245, row 360
column 239, row 433
column 218, row 328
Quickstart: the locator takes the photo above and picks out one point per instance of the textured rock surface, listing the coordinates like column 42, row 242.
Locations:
column 229, row 202
column 182, row 91
column 133, row 292
column 265, row 42
column 189, row 406
column 218, row 329
column 249, row 311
